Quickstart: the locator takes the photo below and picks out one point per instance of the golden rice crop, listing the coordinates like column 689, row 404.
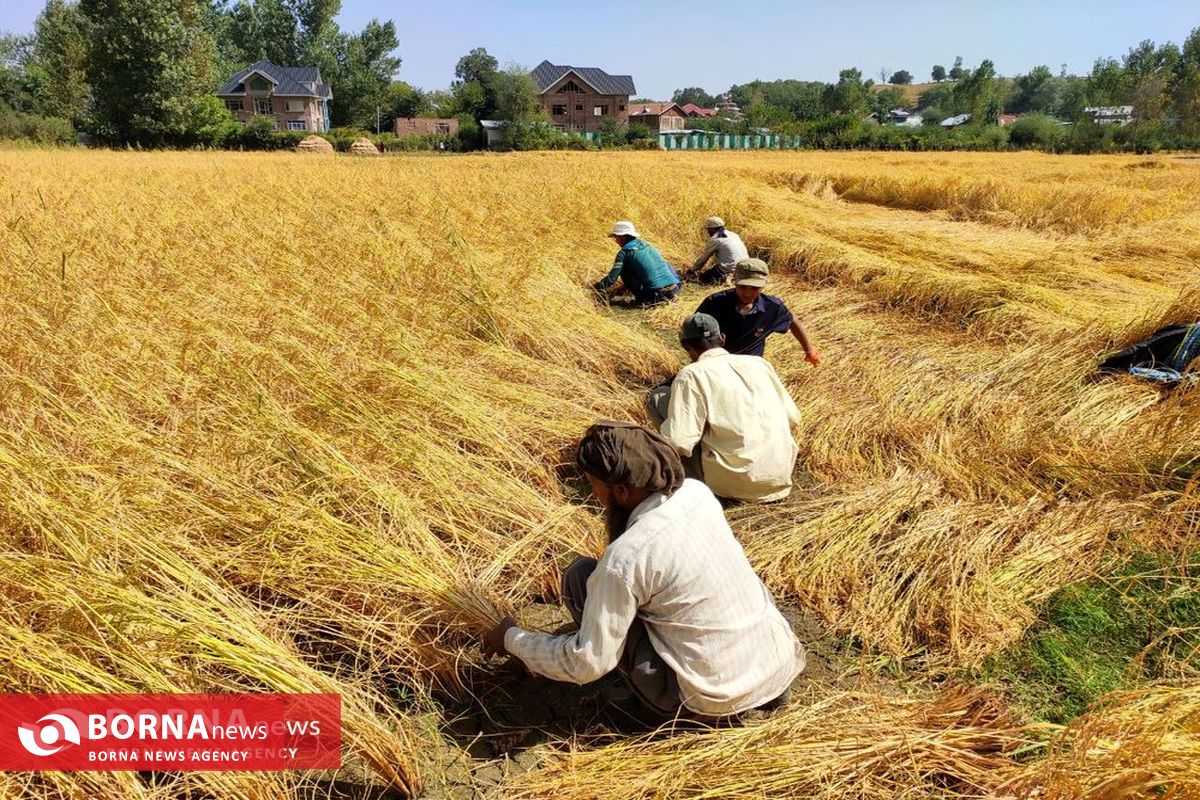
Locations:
column 1143, row 743
column 847, row 744
column 284, row 423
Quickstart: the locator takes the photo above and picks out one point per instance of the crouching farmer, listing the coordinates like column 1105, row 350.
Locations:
column 673, row 604
column 638, row 269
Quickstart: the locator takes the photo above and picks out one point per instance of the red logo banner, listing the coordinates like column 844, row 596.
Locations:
column 177, row 732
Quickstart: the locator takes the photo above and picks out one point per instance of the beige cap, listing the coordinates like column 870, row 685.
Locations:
column 751, row 272
column 624, row 228
column 713, row 222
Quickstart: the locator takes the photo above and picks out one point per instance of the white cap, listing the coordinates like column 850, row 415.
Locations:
column 624, row 228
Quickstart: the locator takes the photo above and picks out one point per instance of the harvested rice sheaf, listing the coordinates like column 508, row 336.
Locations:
column 1143, row 743
column 846, row 744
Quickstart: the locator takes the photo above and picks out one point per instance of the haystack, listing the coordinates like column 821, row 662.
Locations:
column 314, row 144
column 364, row 147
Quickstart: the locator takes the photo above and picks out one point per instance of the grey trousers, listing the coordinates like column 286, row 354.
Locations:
column 658, row 402
column 652, row 681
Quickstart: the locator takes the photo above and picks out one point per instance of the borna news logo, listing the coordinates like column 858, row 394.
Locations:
column 149, row 732
column 49, row 734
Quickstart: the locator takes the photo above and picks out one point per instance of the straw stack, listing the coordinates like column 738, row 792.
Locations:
column 314, row 144
column 364, row 147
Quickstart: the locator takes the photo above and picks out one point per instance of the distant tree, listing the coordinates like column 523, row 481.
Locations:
column 760, row 114
column 940, row 96
column 19, row 90
column 402, row 100
column 1026, row 87
column 850, row 95
column 58, row 61
column 150, row 66
column 980, row 94
column 264, row 30
column 518, row 105
column 638, row 132
column 476, row 66
column 694, row 94
column 883, row 101
column 939, row 73
column 1150, row 71
column 1186, row 86
column 1074, row 98
column 799, row 100
column 901, row 78
column 883, row 74
column 473, row 91
column 1107, row 84
column 956, row 72
column 363, row 67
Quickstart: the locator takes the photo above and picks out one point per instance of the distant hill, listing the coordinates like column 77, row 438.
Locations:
column 911, row 91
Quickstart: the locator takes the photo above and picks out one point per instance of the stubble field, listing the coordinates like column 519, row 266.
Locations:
column 302, row 423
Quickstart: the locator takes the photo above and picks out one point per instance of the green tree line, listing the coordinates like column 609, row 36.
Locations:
column 144, row 72
column 1160, row 81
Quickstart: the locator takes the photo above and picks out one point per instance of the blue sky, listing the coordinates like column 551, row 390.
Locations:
column 667, row 45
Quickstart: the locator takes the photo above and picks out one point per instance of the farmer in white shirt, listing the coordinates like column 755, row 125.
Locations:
column 673, row 604
column 738, row 412
column 724, row 246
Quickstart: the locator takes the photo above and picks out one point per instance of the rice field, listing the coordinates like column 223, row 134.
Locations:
column 285, row 422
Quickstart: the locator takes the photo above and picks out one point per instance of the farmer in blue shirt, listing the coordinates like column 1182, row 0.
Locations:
column 747, row 316
column 640, row 269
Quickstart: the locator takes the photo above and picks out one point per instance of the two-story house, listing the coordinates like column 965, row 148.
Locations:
column 580, row 99
column 294, row 96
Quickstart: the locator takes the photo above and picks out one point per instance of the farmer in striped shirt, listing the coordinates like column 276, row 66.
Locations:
column 639, row 269
column 673, row 604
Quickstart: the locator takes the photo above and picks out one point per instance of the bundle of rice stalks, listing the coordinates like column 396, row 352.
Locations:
column 904, row 570
column 314, row 144
column 161, row 626
column 1143, row 743
column 952, row 744
column 364, row 147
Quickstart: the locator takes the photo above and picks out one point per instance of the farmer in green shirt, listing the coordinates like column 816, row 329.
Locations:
column 640, row 269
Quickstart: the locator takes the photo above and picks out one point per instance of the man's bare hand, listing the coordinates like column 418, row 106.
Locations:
column 813, row 357
column 493, row 642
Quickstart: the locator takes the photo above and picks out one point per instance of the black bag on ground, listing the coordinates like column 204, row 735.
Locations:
column 1162, row 357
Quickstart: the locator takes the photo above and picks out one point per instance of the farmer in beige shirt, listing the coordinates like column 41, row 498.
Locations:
column 725, row 246
column 673, row 604
column 738, row 411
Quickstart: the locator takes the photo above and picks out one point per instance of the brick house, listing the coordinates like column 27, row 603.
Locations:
column 658, row 117
column 442, row 128
column 580, row 99
column 294, row 96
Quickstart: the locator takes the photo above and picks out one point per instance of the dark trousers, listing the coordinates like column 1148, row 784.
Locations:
column 654, row 297
column 647, row 675
column 713, row 276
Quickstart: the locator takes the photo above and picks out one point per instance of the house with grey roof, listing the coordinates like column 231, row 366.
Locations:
column 580, row 99
column 295, row 96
